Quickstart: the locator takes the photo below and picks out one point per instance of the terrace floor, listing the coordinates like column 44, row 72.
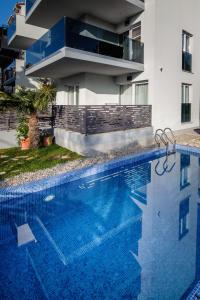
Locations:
column 188, row 137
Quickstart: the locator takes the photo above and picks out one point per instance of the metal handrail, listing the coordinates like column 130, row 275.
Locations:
column 162, row 136
column 165, row 166
column 173, row 140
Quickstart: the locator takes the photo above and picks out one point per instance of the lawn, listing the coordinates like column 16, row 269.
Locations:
column 14, row 161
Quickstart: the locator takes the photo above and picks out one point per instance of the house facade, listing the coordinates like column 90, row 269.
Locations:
column 122, row 68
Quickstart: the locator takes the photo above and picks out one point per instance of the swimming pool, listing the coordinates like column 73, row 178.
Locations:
column 128, row 229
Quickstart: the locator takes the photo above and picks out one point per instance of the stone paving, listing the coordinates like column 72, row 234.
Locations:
column 188, row 137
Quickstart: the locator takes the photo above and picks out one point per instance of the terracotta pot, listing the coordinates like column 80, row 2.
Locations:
column 25, row 144
column 47, row 141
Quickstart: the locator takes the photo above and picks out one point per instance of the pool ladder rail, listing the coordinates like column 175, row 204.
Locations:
column 167, row 138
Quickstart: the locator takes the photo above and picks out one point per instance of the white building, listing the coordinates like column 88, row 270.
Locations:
column 20, row 36
column 118, row 52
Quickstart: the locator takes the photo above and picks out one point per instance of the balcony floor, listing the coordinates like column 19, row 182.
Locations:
column 69, row 61
column 48, row 12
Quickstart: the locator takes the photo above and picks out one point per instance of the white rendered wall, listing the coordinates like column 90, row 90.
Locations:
column 101, row 90
column 93, row 89
column 8, row 139
column 162, row 25
column 27, row 30
column 62, row 86
column 21, row 79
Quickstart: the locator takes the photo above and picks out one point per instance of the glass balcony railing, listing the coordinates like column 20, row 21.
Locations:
column 186, row 112
column 10, row 72
column 82, row 36
column 29, row 4
column 12, row 27
column 187, row 61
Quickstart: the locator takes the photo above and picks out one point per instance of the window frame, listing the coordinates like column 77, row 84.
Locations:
column 140, row 83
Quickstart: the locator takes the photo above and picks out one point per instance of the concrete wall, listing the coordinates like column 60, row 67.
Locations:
column 103, row 143
column 8, row 139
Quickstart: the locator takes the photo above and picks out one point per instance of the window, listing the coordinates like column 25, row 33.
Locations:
column 185, row 93
column 184, row 171
column 186, row 51
column 184, row 218
column 186, row 105
column 141, row 93
column 186, row 42
column 73, row 95
column 125, row 97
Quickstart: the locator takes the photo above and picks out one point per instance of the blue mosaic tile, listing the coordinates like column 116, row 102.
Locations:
column 195, row 294
column 39, row 185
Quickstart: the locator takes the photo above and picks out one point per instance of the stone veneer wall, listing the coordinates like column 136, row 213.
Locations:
column 89, row 119
column 9, row 120
column 92, row 119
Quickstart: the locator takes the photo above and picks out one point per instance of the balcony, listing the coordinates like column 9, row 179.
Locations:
column 187, row 61
column 186, row 112
column 20, row 34
column 71, row 47
column 45, row 13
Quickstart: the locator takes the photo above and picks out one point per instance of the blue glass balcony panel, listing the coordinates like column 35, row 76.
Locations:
column 29, row 4
column 82, row 36
column 12, row 28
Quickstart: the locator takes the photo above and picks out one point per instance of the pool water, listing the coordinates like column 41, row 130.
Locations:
column 132, row 232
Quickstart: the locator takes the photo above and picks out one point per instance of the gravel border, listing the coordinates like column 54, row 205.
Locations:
column 72, row 165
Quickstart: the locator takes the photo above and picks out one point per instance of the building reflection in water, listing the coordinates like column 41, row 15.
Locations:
column 134, row 228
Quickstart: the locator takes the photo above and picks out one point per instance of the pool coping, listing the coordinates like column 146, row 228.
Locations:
column 60, row 179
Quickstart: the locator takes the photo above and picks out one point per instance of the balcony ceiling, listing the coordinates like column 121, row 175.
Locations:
column 20, row 42
column 46, row 13
column 68, row 62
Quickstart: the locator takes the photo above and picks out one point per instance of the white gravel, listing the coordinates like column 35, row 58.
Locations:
column 66, row 167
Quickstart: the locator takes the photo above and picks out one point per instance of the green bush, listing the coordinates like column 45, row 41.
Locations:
column 22, row 130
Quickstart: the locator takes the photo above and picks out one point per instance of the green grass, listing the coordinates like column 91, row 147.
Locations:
column 14, row 161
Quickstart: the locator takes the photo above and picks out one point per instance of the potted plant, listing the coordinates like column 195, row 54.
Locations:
column 46, row 138
column 22, row 134
column 29, row 103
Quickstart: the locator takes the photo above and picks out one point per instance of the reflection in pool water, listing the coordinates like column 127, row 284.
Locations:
column 129, row 233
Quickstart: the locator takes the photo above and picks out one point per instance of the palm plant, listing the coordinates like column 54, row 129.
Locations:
column 29, row 103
